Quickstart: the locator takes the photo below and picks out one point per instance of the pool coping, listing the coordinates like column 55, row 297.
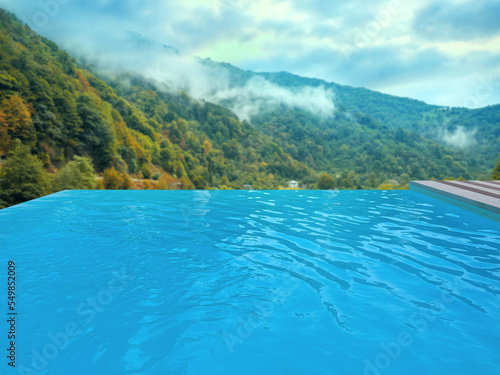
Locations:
column 480, row 197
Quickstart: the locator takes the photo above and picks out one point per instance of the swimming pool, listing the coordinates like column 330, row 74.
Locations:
column 254, row 282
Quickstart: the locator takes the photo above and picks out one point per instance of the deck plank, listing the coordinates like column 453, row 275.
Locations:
column 481, row 194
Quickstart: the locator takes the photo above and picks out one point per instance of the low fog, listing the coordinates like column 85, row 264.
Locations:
column 174, row 71
column 212, row 83
column 460, row 137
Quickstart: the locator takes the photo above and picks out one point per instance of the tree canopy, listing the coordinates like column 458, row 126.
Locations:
column 76, row 123
column 22, row 177
column 78, row 174
column 496, row 172
column 325, row 182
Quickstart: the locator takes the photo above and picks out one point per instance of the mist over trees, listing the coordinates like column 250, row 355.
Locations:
column 67, row 125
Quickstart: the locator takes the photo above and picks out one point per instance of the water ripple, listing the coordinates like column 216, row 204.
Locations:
column 282, row 278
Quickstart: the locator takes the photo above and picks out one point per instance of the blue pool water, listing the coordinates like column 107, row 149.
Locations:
column 279, row 282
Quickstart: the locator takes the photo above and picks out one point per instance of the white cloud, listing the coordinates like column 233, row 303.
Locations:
column 460, row 137
column 259, row 95
column 181, row 73
column 335, row 40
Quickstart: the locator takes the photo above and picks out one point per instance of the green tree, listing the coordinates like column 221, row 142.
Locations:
column 4, row 133
column 325, row 182
column 77, row 174
column 97, row 134
column 199, row 182
column 496, row 172
column 22, row 177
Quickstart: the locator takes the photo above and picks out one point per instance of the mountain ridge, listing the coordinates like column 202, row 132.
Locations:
column 132, row 125
column 431, row 121
column 315, row 81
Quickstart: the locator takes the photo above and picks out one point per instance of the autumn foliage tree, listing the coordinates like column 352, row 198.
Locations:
column 123, row 121
column 4, row 134
column 17, row 119
column 112, row 180
column 167, row 182
column 325, row 182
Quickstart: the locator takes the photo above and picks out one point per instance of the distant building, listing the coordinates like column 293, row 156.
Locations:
column 394, row 182
column 247, row 187
column 293, row 184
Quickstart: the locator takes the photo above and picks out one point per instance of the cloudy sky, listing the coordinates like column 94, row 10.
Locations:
column 444, row 52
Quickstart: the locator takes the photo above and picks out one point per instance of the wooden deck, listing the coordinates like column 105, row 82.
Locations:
column 482, row 197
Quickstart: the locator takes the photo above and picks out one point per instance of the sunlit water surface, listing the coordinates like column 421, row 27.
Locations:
column 278, row 282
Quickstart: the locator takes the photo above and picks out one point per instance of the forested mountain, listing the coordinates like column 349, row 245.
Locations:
column 60, row 110
column 133, row 127
column 471, row 135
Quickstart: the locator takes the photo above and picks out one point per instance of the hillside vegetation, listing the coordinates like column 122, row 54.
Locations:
column 135, row 133
column 470, row 137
